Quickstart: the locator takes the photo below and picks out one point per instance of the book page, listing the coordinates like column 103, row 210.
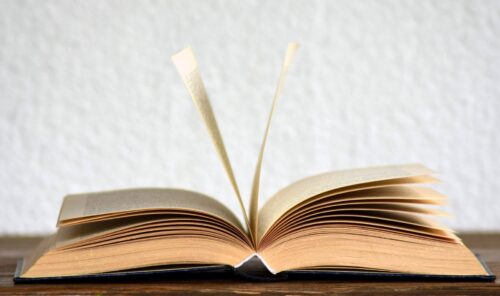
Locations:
column 187, row 66
column 304, row 189
column 254, row 197
column 349, row 247
column 102, row 203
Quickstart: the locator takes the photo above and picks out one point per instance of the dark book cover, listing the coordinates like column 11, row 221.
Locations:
column 253, row 270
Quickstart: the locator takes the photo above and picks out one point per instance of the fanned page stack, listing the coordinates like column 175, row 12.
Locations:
column 362, row 222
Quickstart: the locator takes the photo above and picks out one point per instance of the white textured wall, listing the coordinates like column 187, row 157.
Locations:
column 89, row 99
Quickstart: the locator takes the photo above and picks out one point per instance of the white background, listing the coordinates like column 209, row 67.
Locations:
column 90, row 101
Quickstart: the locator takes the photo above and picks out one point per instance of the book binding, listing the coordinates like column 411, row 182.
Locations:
column 252, row 270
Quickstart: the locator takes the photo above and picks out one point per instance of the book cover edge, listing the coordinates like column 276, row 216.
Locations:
column 297, row 274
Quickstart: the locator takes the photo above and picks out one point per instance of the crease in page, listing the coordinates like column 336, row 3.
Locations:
column 254, row 197
column 188, row 69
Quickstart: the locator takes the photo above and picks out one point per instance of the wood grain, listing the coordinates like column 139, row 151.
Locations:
column 487, row 245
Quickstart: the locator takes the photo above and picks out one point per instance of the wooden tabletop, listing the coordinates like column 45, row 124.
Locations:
column 487, row 245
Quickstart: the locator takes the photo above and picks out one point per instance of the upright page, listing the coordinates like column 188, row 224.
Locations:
column 187, row 66
column 254, row 198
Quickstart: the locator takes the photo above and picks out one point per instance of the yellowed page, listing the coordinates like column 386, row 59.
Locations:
column 101, row 203
column 173, row 250
column 370, row 248
column 151, row 226
column 304, row 189
column 186, row 65
column 254, row 197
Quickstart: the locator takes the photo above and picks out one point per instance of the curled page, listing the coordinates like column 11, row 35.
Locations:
column 186, row 65
column 254, row 198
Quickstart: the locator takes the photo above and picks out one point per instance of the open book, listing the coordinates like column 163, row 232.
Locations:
column 368, row 221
